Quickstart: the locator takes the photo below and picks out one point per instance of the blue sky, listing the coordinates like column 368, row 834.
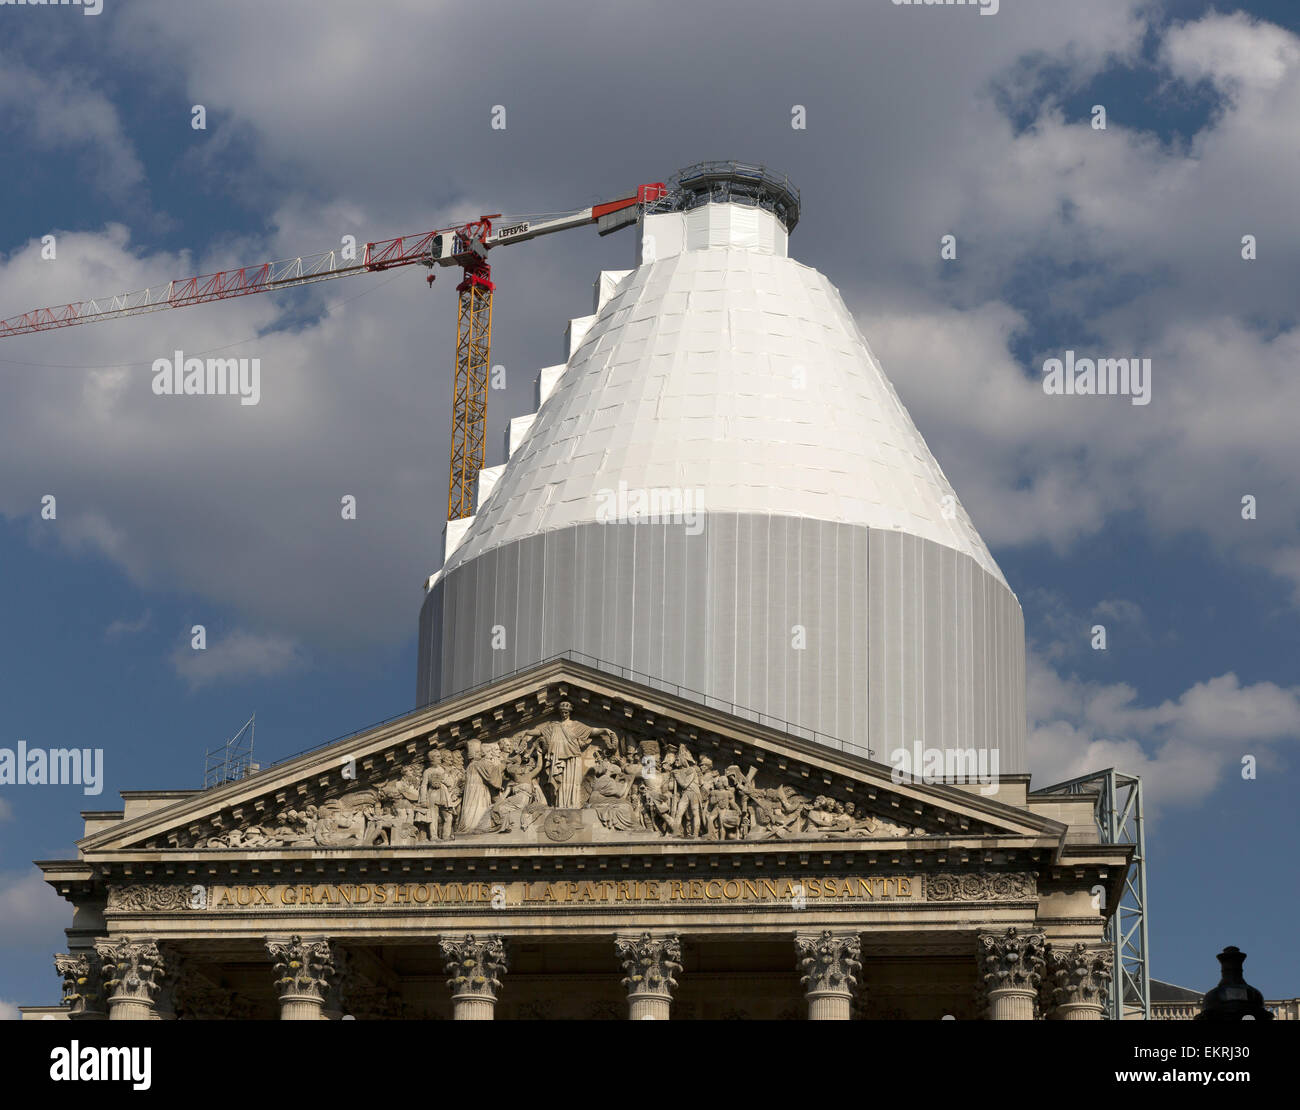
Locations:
column 329, row 119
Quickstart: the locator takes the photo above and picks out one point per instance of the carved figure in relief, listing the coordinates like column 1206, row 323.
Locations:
column 567, row 744
column 870, row 825
column 296, row 828
column 722, row 816
column 629, row 759
column 484, row 775
column 828, row 815
column 344, row 820
column 689, row 780
column 742, row 785
column 523, row 766
column 252, row 837
column 636, row 764
column 778, row 812
column 439, row 797
column 657, row 793
column 708, row 776
column 393, row 818
column 522, row 801
column 610, row 795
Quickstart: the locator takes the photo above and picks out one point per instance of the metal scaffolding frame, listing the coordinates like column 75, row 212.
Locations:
column 233, row 760
column 1120, row 820
column 731, row 183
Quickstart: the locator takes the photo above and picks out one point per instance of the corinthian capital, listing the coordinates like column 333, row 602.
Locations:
column 132, row 969
column 474, row 964
column 303, row 967
column 649, row 963
column 830, row 961
column 1079, row 976
column 83, row 983
column 1012, row 960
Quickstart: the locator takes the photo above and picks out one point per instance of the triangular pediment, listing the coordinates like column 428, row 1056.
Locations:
column 562, row 755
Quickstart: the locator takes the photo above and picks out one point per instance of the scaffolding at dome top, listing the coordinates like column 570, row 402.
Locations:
column 731, row 183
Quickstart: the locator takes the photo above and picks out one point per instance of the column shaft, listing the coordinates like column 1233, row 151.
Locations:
column 649, row 1007
column 1012, row 1004
column 1079, row 1011
column 301, row 1007
column 829, row 1006
column 473, row 1007
column 131, row 1009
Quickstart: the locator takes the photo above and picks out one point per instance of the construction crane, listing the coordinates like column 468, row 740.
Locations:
column 464, row 245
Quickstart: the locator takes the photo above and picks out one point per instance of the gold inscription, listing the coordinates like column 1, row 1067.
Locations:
column 855, row 888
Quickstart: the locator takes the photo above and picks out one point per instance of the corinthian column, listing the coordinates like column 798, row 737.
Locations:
column 474, row 969
column 1078, row 982
column 830, row 963
column 304, row 969
column 649, row 964
column 1011, row 970
column 83, row 984
column 133, row 973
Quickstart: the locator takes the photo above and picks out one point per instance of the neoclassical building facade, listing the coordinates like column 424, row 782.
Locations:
column 567, row 843
column 720, row 491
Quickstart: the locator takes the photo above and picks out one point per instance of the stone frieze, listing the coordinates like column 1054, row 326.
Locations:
column 980, row 886
column 559, row 781
column 150, row 897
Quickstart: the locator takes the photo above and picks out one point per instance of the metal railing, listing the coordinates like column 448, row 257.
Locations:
column 709, row 701
column 731, row 183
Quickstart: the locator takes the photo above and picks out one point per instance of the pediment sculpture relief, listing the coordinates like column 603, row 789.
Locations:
column 556, row 780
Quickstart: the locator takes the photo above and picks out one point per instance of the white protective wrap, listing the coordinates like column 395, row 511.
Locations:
column 731, row 369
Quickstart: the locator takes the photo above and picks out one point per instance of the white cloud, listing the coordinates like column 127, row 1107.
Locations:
column 1139, row 240
column 31, row 913
column 239, row 505
column 240, row 655
column 1239, row 54
column 123, row 627
column 9, row 1011
column 1032, row 467
column 1182, row 748
column 575, row 96
column 1119, row 610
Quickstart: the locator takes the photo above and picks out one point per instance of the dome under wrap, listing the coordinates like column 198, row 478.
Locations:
column 721, row 490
